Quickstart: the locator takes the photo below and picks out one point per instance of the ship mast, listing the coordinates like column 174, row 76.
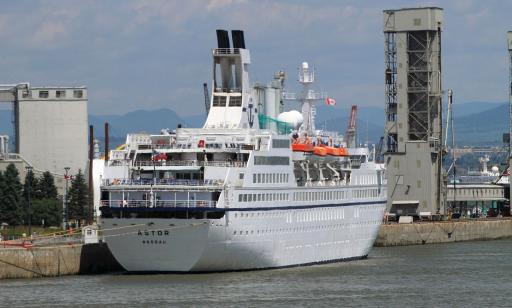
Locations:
column 307, row 98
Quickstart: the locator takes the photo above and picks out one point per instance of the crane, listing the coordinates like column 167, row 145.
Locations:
column 350, row 134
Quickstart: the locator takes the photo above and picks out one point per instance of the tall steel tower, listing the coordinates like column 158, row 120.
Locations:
column 509, row 39
column 413, row 94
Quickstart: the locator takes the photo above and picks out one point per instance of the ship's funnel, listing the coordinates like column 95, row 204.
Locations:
column 238, row 38
column 222, row 38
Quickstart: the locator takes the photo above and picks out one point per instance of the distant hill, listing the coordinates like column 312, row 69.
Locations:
column 484, row 128
column 476, row 123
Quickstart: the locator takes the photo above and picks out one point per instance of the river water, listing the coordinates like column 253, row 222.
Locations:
column 466, row 274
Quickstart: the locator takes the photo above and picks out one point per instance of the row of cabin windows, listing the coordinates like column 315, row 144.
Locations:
column 272, row 160
column 58, row 94
column 266, row 197
column 308, row 196
column 270, row 178
column 280, row 143
column 317, row 214
column 220, row 101
column 307, row 216
column 333, row 195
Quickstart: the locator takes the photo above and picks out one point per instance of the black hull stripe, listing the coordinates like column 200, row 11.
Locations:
column 248, row 269
column 242, row 209
column 301, row 207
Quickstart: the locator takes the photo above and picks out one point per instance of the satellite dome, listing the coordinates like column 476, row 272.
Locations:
column 495, row 169
column 293, row 118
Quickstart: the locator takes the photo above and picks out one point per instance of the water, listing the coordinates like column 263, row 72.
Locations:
column 465, row 274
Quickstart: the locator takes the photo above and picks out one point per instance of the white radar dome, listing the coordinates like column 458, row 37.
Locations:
column 305, row 65
column 293, row 118
column 495, row 169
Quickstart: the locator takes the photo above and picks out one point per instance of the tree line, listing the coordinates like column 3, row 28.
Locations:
column 46, row 203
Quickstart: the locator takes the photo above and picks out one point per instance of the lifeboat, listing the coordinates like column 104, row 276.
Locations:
column 336, row 151
column 302, row 147
column 320, row 151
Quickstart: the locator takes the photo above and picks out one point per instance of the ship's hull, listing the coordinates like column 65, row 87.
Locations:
column 246, row 238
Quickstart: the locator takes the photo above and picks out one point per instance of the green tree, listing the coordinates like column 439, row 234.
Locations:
column 46, row 187
column 2, row 188
column 12, row 197
column 47, row 212
column 29, row 188
column 78, row 198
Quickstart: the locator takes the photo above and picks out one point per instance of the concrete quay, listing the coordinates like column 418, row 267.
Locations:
column 433, row 232
column 54, row 261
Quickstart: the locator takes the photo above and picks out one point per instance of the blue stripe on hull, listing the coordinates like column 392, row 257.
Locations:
column 243, row 209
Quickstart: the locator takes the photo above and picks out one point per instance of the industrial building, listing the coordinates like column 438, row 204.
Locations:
column 413, row 110
column 50, row 127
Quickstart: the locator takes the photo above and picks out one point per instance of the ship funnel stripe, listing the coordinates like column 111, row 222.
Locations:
column 238, row 38
column 222, row 39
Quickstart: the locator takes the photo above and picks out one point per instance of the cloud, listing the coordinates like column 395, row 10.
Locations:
column 48, row 33
column 217, row 4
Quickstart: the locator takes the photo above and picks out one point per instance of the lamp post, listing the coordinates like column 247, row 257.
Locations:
column 29, row 170
column 65, row 201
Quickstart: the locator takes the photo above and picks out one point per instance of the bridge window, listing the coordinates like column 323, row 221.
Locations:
column 219, row 101
column 78, row 93
column 235, row 101
column 43, row 94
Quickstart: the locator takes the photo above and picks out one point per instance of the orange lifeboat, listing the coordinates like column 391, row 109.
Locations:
column 320, row 151
column 336, row 151
column 342, row 152
column 302, row 147
column 332, row 151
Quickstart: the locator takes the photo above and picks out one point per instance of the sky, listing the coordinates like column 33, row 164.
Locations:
column 151, row 54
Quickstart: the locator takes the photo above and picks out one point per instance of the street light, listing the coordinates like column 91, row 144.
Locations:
column 65, row 201
column 29, row 170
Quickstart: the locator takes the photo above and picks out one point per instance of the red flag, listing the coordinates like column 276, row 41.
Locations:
column 330, row 101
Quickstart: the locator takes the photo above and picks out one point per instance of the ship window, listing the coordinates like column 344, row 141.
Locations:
column 245, row 197
column 43, row 94
column 235, row 101
column 78, row 93
column 60, row 93
column 254, row 178
column 241, row 176
column 280, row 143
column 239, row 198
column 272, row 160
column 259, row 177
column 219, row 101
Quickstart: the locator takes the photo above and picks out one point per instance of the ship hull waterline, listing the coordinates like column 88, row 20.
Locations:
column 245, row 239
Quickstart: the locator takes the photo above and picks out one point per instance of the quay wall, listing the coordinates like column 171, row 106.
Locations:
column 418, row 233
column 53, row 261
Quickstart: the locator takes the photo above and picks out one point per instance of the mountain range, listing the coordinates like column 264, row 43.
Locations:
column 476, row 123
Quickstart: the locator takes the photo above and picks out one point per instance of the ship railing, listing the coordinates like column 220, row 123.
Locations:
column 192, row 163
column 149, row 182
column 226, row 51
column 119, row 203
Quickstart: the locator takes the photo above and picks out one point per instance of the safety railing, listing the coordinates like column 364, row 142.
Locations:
column 226, row 51
column 149, row 182
column 191, row 163
column 160, row 203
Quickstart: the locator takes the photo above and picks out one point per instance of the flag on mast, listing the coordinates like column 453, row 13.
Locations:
column 330, row 101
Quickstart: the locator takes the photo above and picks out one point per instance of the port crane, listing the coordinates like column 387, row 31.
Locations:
column 351, row 132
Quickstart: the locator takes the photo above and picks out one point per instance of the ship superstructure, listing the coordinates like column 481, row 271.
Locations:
column 233, row 195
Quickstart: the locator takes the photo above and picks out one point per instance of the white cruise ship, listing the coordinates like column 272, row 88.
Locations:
column 246, row 191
